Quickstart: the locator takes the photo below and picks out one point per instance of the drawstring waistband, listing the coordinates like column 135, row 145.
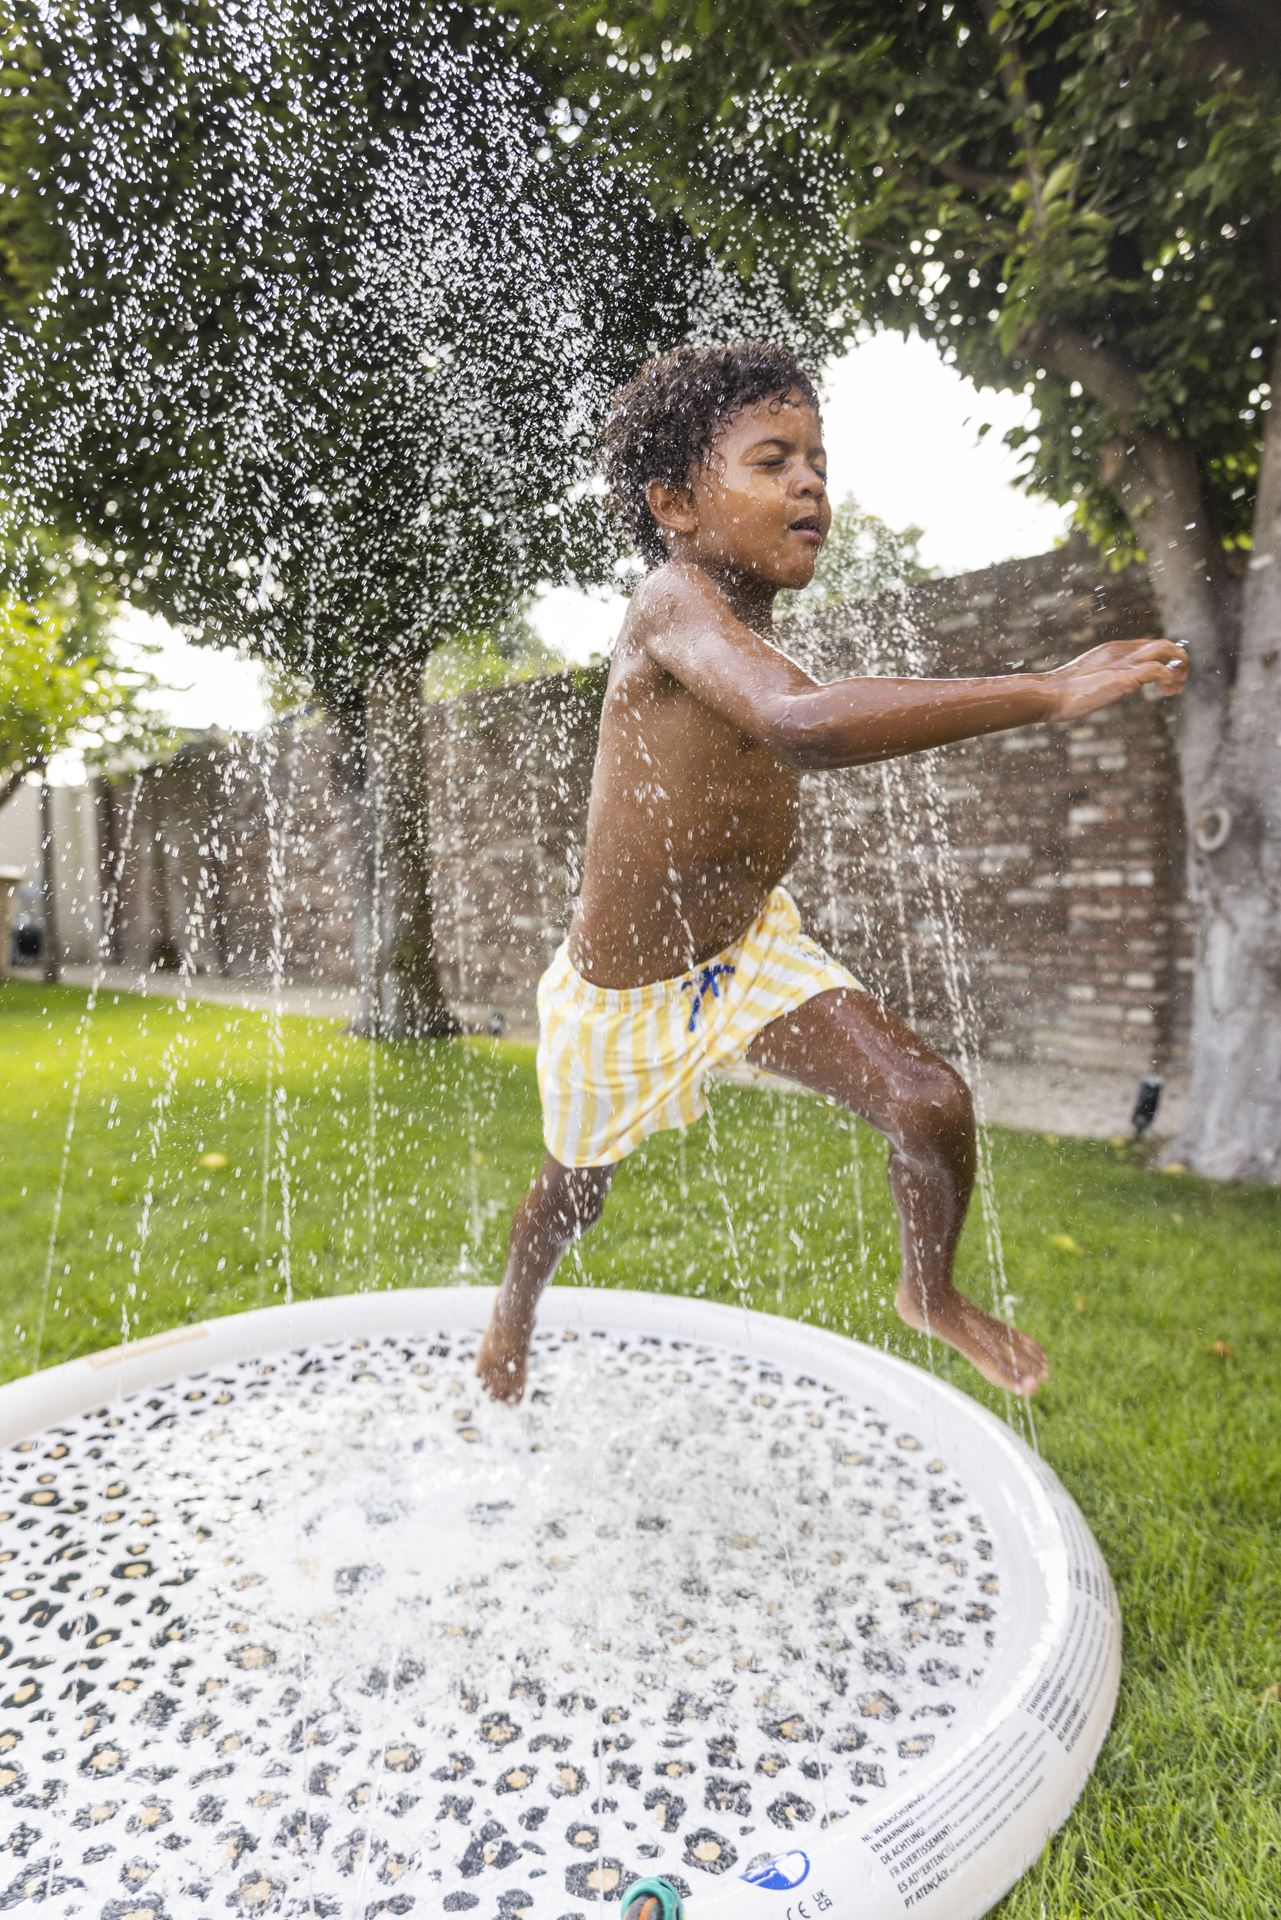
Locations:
column 707, row 979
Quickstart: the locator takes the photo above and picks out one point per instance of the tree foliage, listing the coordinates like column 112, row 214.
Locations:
column 62, row 682
column 308, row 314
column 1029, row 184
column 490, row 657
column 1081, row 198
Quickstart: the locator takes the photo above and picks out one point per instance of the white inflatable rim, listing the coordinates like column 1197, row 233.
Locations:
column 954, row 1843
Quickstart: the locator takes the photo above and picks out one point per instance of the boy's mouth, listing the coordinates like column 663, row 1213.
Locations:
column 808, row 528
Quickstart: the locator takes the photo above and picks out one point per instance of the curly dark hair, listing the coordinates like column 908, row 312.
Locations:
column 665, row 420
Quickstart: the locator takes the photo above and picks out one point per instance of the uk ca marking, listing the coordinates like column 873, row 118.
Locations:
column 809, row 1908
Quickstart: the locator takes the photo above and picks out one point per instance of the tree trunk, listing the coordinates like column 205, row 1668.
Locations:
column 110, row 875
column 1229, row 731
column 162, row 949
column 49, row 882
column 1234, row 1120
column 1229, row 726
column 11, row 782
column 1233, row 803
column 402, row 998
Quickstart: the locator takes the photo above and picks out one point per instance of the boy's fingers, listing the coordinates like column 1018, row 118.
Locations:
column 1162, row 664
column 1160, row 650
column 1163, row 679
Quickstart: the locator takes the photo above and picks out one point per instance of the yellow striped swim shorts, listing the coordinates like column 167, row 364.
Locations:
column 616, row 1064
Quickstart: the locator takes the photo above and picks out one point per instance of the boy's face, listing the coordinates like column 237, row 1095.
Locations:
column 759, row 505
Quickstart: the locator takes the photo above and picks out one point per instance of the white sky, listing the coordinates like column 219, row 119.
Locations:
column 901, row 430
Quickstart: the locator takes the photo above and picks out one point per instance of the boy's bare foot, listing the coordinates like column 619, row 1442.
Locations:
column 1001, row 1353
column 502, row 1358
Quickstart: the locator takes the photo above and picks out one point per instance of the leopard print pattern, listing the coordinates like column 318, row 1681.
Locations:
column 326, row 1633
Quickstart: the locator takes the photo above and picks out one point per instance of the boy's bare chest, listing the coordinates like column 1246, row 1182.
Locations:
column 690, row 826
column 682, row 768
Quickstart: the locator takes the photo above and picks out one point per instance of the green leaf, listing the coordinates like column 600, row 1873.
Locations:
column 1058, row 180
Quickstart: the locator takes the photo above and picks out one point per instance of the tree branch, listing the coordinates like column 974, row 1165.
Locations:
column 1261, row 615
column 1014, row 81
column 1270, row 248
column 1104, row 373
column 1155, row 477
column 974, row 178
column 12, row 783
column 1239, row 33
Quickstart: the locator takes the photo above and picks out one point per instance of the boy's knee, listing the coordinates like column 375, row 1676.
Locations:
column 567, row 1201
column 938, row 1115
column 587, row 1199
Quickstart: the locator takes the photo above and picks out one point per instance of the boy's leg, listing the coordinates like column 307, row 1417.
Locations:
column 560, row 1206
column 844, row 1044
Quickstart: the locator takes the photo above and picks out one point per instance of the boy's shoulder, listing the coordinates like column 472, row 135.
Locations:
column 672, row 598
column 682, row 606
column 667, row 623
column 670, row 619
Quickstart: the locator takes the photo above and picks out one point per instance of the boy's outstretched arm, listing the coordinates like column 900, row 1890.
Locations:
column 695, row 636
column 853, row 722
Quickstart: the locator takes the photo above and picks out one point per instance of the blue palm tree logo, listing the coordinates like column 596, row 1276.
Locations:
column 779, row 1873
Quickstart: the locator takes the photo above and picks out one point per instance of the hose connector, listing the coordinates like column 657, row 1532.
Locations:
column 652, row 1900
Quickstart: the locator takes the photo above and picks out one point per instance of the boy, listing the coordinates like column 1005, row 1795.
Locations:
column 683, row 951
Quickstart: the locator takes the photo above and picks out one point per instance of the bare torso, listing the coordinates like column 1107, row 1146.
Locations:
column 691, row 823
column 694, row 818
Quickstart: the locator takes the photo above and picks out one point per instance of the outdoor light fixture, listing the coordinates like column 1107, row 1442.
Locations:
column 1146, row 1102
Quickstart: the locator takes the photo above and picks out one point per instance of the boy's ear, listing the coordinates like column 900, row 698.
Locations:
column 673, row 508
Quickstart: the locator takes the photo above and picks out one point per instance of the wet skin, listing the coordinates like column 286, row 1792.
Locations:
column 706, row 731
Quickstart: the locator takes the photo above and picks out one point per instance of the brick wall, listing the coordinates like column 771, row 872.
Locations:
column 1057, row 915
column 1067, row 841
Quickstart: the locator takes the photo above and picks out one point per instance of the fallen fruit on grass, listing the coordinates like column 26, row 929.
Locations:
column 1065, row 1243
column 214, row 1160
column 1222, row 1348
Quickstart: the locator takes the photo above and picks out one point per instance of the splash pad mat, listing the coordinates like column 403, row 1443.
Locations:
column 297, row 1623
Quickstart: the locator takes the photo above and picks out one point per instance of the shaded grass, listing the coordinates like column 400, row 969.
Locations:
column 399, row 1166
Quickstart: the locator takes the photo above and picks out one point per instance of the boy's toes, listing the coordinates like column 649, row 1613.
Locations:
column 502, row 1376
column 1031, row 1365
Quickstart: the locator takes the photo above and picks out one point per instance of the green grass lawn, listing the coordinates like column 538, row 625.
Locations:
column 199, row 1132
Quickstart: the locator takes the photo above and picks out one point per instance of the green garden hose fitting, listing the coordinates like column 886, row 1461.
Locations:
column 652, row 1900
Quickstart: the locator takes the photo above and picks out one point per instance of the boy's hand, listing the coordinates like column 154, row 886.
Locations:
column 1108, row 673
